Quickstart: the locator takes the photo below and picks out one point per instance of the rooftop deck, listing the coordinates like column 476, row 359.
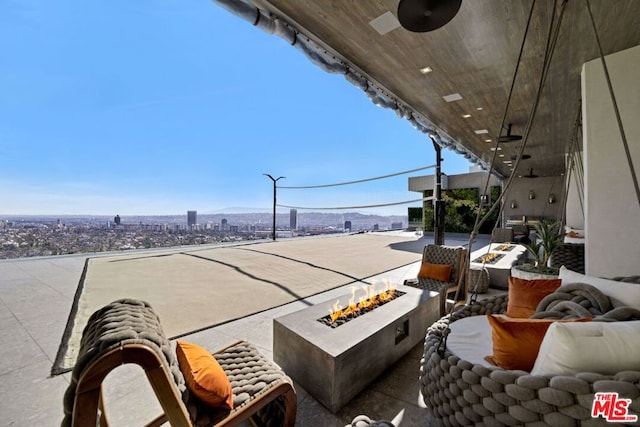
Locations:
column 37, row 296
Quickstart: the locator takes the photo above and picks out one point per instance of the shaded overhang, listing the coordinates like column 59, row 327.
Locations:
column 462, row 101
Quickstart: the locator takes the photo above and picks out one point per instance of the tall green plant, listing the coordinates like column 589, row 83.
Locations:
column 548, row 239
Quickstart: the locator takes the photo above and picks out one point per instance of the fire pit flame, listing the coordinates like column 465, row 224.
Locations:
column 367, row 301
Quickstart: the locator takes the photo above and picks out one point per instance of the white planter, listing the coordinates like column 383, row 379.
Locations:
column 527, row 275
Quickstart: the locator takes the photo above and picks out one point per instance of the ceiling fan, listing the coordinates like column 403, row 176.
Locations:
column 421, row 16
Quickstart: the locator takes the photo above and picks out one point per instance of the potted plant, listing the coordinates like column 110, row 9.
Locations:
column 548, row 238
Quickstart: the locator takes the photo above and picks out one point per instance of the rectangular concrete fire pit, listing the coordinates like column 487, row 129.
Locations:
column 335, row 364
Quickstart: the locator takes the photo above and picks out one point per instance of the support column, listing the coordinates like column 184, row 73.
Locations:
column 438, row 204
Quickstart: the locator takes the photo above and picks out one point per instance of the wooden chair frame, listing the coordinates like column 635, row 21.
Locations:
column 129, row 332
column 458, row 283
column 89, row 408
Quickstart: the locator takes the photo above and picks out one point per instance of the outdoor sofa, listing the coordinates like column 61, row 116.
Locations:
column 459, row 392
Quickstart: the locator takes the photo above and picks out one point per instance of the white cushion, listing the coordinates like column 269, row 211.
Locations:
column 470, row 339
column 574, row 240
column 620, row 293
column 601, row 347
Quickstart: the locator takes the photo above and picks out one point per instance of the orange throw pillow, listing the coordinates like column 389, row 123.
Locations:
column 516, row 342
column 440, row 272
column 574, row 234
column 525, row 295
column 204, row 375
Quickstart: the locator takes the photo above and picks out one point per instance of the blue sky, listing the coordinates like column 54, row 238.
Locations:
column 157, row 107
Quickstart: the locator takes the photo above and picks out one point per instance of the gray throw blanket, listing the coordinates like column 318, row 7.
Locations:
column 576, row 300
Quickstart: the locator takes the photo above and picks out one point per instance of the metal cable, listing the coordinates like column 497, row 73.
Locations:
column 572, row 151
column 358, row 207
column 499, row 201
column 551, row 39
column 358, row 181
column 554, row 31
column 506, row 108
column 574, row 166
column 615, row 106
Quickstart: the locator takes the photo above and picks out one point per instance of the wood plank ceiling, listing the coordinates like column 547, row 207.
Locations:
column 475, row 55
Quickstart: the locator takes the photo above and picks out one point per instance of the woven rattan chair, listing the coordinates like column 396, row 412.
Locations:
column 129, row 331
column 571, row 255
column 502, row 235
column 456, row 257
column 521, row 233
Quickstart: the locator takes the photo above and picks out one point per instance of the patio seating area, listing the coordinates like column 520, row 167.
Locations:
column 37, row 295
column 128, row 398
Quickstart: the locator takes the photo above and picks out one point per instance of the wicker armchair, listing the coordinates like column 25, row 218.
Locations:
column 502, row 235
column 521, row 233
column 129, row 331
column 456, row 257
column 458, row 392
column 571, row 255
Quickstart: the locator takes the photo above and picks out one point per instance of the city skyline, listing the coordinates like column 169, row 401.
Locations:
column 184, row 106
column 58, row 235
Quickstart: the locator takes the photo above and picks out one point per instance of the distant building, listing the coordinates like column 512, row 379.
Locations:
column 347, row 225
column 192, row 217
column 376, row 227
column 233, row 228
column 293, row 219
column 116, row 219
column 396, row 225
column 225, row 226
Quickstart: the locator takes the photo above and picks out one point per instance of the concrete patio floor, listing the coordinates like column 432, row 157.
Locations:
column 36, row 296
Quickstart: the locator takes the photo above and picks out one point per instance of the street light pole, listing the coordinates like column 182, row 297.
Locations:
column 274, row 201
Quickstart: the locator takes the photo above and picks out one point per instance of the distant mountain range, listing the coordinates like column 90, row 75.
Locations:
column 238, row 210
column 309, row 219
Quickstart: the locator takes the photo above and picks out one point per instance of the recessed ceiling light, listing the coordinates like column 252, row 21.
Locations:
column 466, row 116
column 506, row 161
column 487, row 140
column 385, row 23
column 479, row 108
column 500, row 155
column 426, row 70
column 452, row 97
column 495, row 149
column 481, row 131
